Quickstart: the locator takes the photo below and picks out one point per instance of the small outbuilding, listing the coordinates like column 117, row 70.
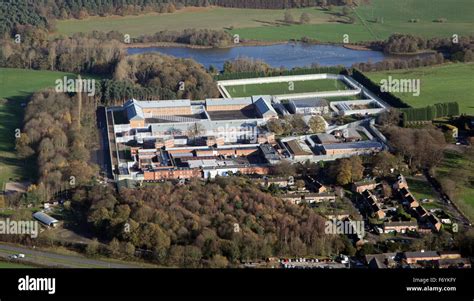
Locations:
column 45, row 219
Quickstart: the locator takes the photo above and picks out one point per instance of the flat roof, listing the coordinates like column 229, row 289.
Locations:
column 162, row 103
column 325, row 138
column 228, row 101
column 296, row 148
column 354, row 145
column 421, row 254
column 309, row 102
column 233, row 115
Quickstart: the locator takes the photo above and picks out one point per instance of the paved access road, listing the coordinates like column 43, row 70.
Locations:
column 51, row 259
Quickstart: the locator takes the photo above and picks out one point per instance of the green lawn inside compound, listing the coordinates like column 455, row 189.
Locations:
column 16, row 86
column 444, row 83
column 281, row 88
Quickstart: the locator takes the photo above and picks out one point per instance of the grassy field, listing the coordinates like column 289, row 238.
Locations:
column 464, row 197
column 211, row 17
column 375, row 21
column 396, row 16
column 11, row 265
column 317, row 85
column 445, row 83
column 16, row 86
column 421, row 189
column 379, row 20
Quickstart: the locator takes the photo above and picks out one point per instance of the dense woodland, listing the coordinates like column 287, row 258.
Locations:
column 213, row 224
column 422, row 148
column 185, row 77
column 59, row 132
column 76, row 54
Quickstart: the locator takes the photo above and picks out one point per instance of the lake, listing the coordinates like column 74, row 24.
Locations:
column 281, row 55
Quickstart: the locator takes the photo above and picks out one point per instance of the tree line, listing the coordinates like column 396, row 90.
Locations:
column 458, row 48
column 394, row 64
column 201, row 37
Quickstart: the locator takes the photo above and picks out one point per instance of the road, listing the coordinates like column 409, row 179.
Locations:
column 102, row 156
column 51, row 259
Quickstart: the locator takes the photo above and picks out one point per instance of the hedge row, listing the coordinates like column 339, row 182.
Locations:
column 430, row 112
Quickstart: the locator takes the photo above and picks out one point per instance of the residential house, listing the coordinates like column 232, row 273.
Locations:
column 400, row 226
column 415, row 257
column 361, row 186
column 434, row 222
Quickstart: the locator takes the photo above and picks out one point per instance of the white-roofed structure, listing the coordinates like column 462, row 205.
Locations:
column 45, row 219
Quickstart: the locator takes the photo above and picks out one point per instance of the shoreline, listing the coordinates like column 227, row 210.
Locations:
column 182, row 45
column 242, row 44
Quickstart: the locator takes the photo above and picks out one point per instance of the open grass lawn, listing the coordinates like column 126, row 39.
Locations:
column 16, row 85
column 465, row 192
column 280, row 88
column 266, row 25
column 445, row 83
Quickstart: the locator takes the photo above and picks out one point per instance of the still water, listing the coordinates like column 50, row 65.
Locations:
column 281, row 55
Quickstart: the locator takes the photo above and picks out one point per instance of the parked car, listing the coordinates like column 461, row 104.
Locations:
column 21, row 255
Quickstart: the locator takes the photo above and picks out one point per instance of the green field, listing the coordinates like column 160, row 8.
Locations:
column 393, row 16
column 280, row 88
column 16, row 86
column 199, row 18
column 375, row 21
column 445, row 83
column 421, row 189
column 465, row 192
column 11, row 265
